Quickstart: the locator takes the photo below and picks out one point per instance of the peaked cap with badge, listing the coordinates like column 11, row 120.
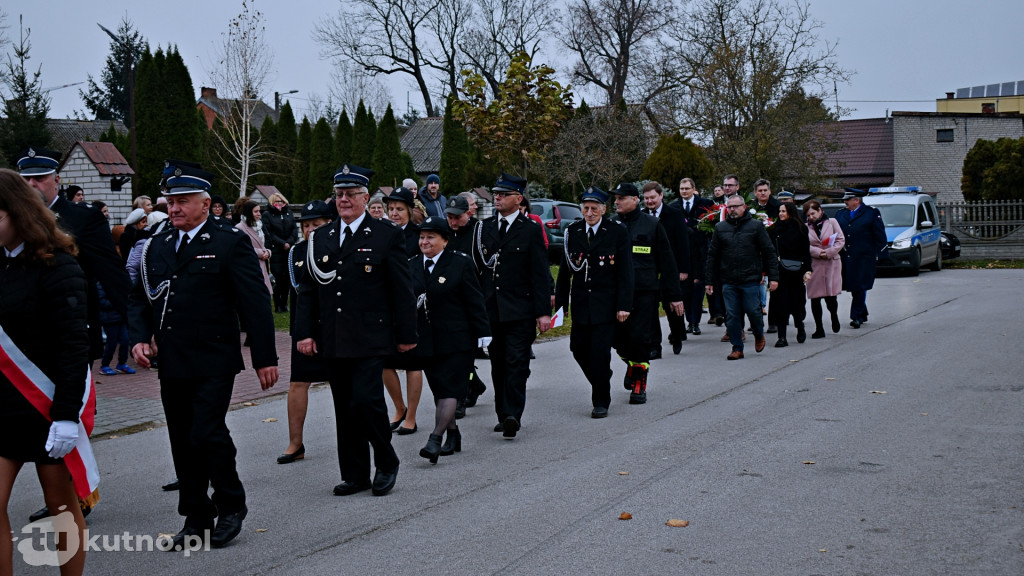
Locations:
column 38, row 162
column 352, row 176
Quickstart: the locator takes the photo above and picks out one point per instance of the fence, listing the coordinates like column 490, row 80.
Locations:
column 987, row 230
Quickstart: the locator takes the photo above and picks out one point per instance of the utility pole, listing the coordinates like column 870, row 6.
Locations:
column 277, row 99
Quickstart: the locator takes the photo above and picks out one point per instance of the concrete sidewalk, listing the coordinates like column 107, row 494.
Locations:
column 133, row 400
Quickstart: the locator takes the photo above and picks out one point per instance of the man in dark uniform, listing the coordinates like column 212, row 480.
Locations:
column 865, row 238
column 654, row 277
column 515, row 278
column 595, row 285
column 97, row 256
column 693, row 207
column 679, row 237
column 363, row 300
column 196, row 279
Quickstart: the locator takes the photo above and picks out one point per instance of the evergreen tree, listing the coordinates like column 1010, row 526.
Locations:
column 25, row 104
column 583, row 109
column 183, row 129
column 676, row 157
column 111, row 100
column 454, row 153
column 321, row 159
column 150, row 130
column 387, row 154
column 343, row 140
column 300, row 167
column 287, row 141
column 268, row 166
column 120, row 141
column 364, row 137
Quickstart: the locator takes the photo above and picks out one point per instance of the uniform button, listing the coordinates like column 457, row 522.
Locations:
column 175, row 277
column 172, row 293
column 169, row 327
column 338, row 279
column 339, row 294
column 170, row 310
column 339, row 310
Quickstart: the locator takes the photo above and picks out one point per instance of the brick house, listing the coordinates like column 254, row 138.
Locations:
column 103, row 173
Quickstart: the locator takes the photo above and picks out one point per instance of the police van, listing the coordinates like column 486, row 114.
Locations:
column 911, row 228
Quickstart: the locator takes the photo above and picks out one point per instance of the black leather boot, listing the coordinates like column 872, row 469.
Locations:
column 433, row 448
column 452, row 442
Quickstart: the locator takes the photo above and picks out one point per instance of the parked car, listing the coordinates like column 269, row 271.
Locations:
column 950, row 246
column 556, row 216
column 911, row 228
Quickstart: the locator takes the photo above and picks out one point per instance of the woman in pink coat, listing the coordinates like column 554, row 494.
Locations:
column 827, row 281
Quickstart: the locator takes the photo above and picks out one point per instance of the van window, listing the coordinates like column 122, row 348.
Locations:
column 896, row 215
column 922, row 215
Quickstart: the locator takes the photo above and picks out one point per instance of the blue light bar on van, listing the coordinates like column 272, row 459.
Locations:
column 896, row 190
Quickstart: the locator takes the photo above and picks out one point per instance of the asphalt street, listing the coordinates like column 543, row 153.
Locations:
column 895, row 449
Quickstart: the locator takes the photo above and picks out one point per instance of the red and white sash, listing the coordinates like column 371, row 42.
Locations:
column 38, row 390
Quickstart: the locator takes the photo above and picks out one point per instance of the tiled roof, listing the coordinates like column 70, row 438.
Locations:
column 865, row 150
column 267, row 190
column 107, row 159
column 423, row 142
column 65, row 132
column 221, row 106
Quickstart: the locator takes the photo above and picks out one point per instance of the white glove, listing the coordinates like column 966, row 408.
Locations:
column 62, row 438
column 483, row 342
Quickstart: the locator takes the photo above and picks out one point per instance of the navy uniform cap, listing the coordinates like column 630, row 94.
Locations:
column 595, row 194
column 509, row 183
column 401, row 195
column 38, row 162
column 352, row 176
column 435, row 224
column 187, row 180
column 315, row 209
column 853, row 193
column 626, row 189
column 785, row 196
column 457, row 206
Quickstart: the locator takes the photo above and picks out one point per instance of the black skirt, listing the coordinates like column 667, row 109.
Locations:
column 448, row 375
column 307, row 368
column 23, row 430
column 406, row 361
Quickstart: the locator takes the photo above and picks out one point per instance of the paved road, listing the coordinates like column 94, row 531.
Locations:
column 893, row 449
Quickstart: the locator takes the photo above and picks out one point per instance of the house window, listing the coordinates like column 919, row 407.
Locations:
column 944, row 135
column 988, row 108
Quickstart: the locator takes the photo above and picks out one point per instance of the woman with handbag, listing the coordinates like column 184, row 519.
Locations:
column 826, row 242
column 790, row 298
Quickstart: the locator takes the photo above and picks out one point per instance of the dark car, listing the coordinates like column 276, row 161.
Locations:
column 950, row 246
column 556, row 216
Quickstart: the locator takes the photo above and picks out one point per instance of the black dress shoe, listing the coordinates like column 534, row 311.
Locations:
column 397, row 423
column 228, row 526
column 696, row 329
column 383, row 482
column 178, row 542
column 499, row 427
column 403, row 431
column 287, row 458
column 170, row 486
column 677, row 348
column 835, row 323
column 599, row 412
column 347, row 488
column 656, row 353
column 509, row 427
column 781, row 343
column 719, row 320
column 801, row 334
column 39, row 514
column 820, row 333
column 855, row 323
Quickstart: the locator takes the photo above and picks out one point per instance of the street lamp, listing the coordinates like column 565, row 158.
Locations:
column 130, row 72
column 277, row 98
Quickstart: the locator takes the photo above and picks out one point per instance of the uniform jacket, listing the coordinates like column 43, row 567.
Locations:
column 698, row 239
column 741, row 253
column 453, row 315
column 368, row 308
column 865, row 238
column 654, row 265
column 411, row 234
column 98, row 259
column 42, row 309
column 514, row 273
column 678, row 236
column 461, row 240
column 216, row 280
column 602, row 282
column 827, row 277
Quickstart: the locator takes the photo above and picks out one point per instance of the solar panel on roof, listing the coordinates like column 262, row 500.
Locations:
column 992, row 90
column 1020, row 88
column 1008, row 88
column 963, row 92
column 978, row 92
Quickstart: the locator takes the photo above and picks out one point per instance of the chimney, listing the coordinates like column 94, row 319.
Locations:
column 207, row 92
column 949, row 95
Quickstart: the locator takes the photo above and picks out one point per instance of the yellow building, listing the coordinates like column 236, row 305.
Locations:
column 990, row 99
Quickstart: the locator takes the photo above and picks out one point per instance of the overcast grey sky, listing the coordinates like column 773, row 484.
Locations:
column 906, row 53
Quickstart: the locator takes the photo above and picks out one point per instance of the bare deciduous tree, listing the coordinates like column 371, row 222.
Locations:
column 382, row 37
column 350, row 84
column 242, row 69
column 448, row 23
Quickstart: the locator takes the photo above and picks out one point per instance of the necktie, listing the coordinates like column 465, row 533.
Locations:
column 687, row 206
column 182, row 245
column 502, row 227
column 590, row 234
column 647, row 211
column 426, row 267
column 347, row 235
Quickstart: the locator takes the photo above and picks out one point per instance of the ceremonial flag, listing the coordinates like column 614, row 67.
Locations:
column 558, row 318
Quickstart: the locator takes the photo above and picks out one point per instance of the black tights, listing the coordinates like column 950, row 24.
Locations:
column 444, row 415
column 833, row 308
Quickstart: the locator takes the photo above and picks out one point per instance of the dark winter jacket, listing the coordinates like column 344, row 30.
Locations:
column 741, row 252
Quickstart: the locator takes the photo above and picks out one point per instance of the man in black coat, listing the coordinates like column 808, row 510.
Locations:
column 679, row 237
column 361, row 295
column 595, row 285
column 196, row 279
column 96, row 252
column 515, row 278
column 693, row 207
column 655, row 276
column 865, row 238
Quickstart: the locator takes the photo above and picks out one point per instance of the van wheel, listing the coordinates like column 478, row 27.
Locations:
column 915, row 262
column 937, row 265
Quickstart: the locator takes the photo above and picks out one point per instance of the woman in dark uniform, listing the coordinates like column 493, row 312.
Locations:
column 400, row 206
column 451, row 323
column 305, row 369
column 43, row 316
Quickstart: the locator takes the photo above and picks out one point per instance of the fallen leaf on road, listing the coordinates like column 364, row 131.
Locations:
column 260, row 530
column 625, row 516
column 623, row 473
column 924, row 413
column 794, row 360
column 250, row 403
column 822, row 550
column 808, row 462
column 677, row 523
column 271, row 420
column 164, row 535
column 827, row 379
column 112, row 436
column 879, row 392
